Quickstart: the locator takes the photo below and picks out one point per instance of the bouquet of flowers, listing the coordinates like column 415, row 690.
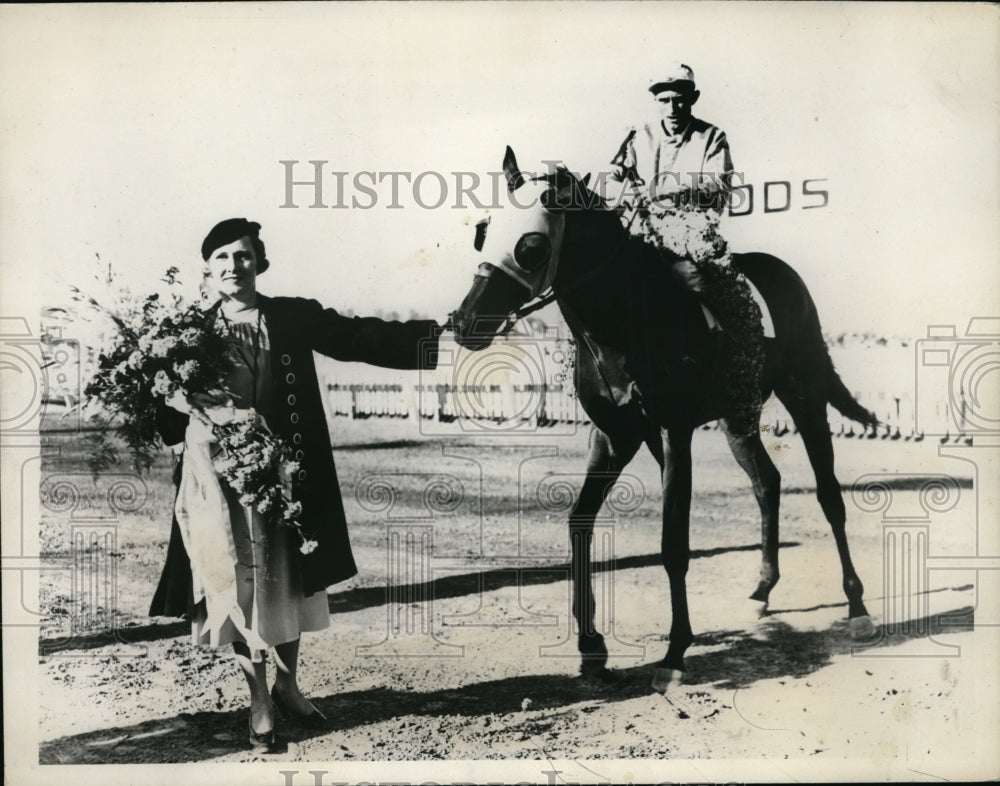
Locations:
column 158, row 348
column 258, row 466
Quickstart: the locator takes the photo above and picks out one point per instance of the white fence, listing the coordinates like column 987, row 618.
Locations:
column 543, row 405
column 537, row 404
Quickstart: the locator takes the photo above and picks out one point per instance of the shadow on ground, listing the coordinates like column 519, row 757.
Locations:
column 744, row 658
column 359, row 598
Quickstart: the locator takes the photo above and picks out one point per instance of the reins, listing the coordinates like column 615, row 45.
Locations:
column 540, row 302
column 549, row 296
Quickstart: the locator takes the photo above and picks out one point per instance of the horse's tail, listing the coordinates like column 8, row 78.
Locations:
column 843, row 401
column 837, row 393
column 801, row 324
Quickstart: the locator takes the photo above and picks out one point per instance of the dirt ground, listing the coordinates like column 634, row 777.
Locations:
column 474, row 657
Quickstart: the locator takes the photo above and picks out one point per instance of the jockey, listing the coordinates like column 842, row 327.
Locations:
column 675, row 179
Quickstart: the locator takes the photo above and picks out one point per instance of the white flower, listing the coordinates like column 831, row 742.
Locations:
column 185, row 370
column 308, row 546
column 161, row 346
column 293, row 510
column 220, row 416
column 135, row 359
column 161, row 383
column 244, row 416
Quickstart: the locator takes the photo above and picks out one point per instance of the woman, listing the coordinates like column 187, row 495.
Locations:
column 280, row 591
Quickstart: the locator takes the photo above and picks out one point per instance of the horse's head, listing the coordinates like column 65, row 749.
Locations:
column 519, row 249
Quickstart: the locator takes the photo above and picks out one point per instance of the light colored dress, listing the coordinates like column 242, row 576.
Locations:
column 268, row 582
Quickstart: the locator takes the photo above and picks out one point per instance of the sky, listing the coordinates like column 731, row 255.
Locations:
column 129, row 130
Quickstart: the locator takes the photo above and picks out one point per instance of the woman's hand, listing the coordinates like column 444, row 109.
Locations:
column 205, row 410
column 199, row 429
column 220, row 416
column 177, row 400
column 206, row 401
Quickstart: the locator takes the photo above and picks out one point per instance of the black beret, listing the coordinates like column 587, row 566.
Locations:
column 231, row 230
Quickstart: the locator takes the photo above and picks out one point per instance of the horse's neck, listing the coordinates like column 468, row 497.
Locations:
column 596, row 310
column 590, row 285
column 633, row 322
column 608, row 280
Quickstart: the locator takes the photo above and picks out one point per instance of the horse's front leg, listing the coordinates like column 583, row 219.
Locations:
column 608, row 457
column 675, row 550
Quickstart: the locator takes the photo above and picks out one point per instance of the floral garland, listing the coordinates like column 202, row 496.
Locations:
column 156, row 348
column 678, row 229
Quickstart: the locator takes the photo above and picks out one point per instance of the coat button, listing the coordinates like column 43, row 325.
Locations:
column 286, row 360
column 294, row 417
column 291, row 400
column 290, row 379
column 297, row 439
column 299, row 454
column 302, row 474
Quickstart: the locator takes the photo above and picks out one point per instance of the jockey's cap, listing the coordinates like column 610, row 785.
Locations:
column 676, row 76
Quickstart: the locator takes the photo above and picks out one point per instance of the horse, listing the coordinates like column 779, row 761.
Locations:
column 646, row 372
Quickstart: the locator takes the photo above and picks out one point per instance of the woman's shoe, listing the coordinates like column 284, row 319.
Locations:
column 312, row 720
column 261, row 743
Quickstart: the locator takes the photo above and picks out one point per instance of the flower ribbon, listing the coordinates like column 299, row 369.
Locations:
column 203, row 518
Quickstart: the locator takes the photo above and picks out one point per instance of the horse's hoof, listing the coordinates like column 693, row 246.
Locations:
column 755, row 609
column 861, row 628
column 666, row 681
column 669, row 682
column 594, row 667
column 601, row 677
column 593, row 655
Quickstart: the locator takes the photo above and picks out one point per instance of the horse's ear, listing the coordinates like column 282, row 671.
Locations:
column 511, row 171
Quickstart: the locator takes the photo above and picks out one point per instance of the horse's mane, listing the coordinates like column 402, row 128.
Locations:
column 568, row 192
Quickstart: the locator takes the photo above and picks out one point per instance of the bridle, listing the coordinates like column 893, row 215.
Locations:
column 548, row 295
column 537, row 303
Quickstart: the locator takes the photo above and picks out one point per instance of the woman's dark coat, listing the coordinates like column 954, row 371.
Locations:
column 296, row 328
